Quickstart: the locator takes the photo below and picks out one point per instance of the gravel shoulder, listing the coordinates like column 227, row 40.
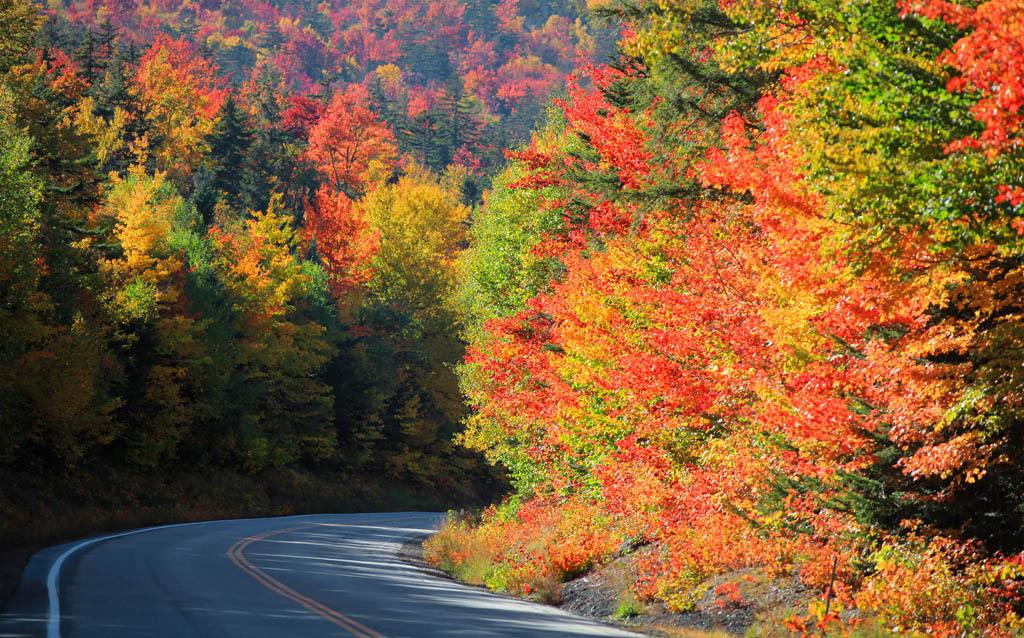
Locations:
column 603, row 594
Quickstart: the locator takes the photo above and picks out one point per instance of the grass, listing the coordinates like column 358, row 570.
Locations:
column 628, row 609
column 461, row 554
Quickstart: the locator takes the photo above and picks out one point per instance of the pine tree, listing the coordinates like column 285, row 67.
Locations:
column 19, row 22
column 86, row 58
column 271, row 165
column 424, row 137
column 229, row 143
column 459, row 127
column 105, row 39
column 271, row 38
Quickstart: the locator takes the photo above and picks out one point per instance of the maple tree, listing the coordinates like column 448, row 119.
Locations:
column 145, row 297
column 418, row 224
column 345, row 241
column 180, row 94
column 349, row 145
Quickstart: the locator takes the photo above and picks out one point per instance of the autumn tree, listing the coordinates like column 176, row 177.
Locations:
column 52, row 414
column 710, row 364
column 419, row 223
column 281, row 351
column 181, row 94
column 345, row 241
column 349, row 145
column 145, row 297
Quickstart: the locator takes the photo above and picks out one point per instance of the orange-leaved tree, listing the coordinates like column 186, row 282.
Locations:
column 350, row 146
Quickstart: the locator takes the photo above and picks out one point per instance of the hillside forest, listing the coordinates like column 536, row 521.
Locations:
column 228, row 249
column 732, row 287
column 748, row 308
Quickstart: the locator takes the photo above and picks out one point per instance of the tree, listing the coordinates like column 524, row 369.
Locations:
column 230, row 143
column 164, row 353
column 51, row 414
column 281, row 351
column 20, row 21
column 181, row 94
column 419, row 223
column 349, row 145
column 345, row 242
column 461, row 127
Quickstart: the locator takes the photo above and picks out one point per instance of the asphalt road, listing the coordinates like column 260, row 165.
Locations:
column 297, row 576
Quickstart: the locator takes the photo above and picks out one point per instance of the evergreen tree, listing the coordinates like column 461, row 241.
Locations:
column 424, row 137
column 460, row 128
column 86, row 58
column 271, row 38
column 270, row 161
column 229, row 143
column 388, row 110
column 105, row 39
column 317, row 20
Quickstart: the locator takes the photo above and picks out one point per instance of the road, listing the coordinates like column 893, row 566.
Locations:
column 296, row 576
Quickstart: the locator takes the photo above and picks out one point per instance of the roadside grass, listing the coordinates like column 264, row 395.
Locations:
column 463, row 555
column 718, row 605
column 775, row 623
column 628, row 609
column 468, row 556
column 46, row 511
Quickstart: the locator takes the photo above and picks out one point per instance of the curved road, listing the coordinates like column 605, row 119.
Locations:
column 321, row 575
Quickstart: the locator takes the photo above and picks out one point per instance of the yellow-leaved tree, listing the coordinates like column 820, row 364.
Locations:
column 281, row 351
column 145, row 277
column 181, row 95
column 420, row 223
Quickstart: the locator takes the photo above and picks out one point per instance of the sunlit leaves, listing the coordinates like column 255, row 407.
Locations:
column 345, row 242
column 807, row 343
column 350, row 146
column 180, row 94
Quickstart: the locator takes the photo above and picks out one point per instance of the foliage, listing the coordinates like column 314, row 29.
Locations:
column 776, row 324
column 750, row 297
column 349, row 146
column 203, row 267
column 454, row 81
column 524, row 550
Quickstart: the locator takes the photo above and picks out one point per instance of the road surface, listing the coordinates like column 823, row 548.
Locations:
column 291, row 577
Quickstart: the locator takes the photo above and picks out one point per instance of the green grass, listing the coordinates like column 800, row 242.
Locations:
column 628, row 609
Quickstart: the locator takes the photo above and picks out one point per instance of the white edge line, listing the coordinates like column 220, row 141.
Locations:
column 53, row 617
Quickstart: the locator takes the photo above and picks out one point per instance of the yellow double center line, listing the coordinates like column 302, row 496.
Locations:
column 237, row 555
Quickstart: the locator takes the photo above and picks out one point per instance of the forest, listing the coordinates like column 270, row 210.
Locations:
column 748, row 308
column 732, row 287
column 228, row 249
